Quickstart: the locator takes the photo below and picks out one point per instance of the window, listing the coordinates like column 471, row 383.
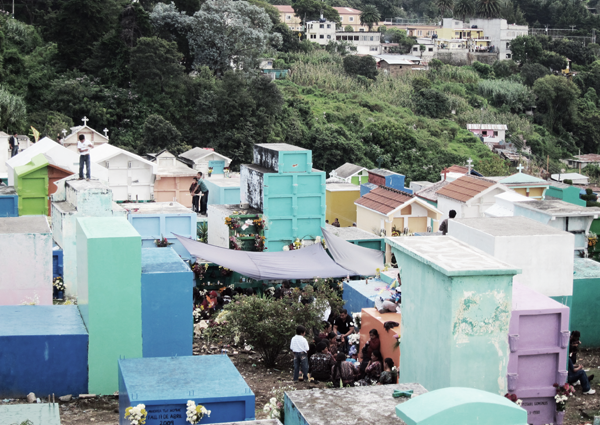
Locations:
column 355, row 38
column 313, row 36
column 495, row 134
column 431, row 49
column 351, row 18
column 288, row 17
column 419, row 32
column 508, row 55
column 341, row 19
column 129, row 164
column 374, row 49
column 322, row 26
column 321, row 36
column 328, row 26
column 328, row 37
column 361, row 30
column 484, row 133
column 415, row 49
column 508, row 45
column 371, row 39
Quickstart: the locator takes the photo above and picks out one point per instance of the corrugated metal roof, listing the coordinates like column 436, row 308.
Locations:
column 430, row 193
column 486, row 127
column 348, row 170
column 588, row 157
column 384, row 199
column 465, row 188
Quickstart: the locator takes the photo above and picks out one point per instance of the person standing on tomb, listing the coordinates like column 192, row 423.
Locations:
column 336, row 223
column 204, row 190
column 195, row 192
column 344, row 326
column 13, row 144
column 444, row 226
column 84, row 146
column 299, row 345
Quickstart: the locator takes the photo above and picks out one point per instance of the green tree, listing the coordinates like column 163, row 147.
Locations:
column 349, row 28
column 311, row 10
column 526, row 49
column 160, row 134
column 225, row 33
column 361, row 65
column 369, row 16
column 488, row 9
column 492, row 165
column 445, row 6
column 13, row 112
column 432, row 103
column 554, row 61
column 505, row 68
column 484, row 70
column 530, row 72
column 465, row 8
column 155, row 64
column 556, row 97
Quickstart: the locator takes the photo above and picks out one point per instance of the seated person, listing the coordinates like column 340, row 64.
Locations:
column 324, row 334
column 373, row 369
column 578, row 376
column 344, row 326
column 321, row 363
column 574, row 341
column 333, row 343
column 344, row 371
column 388, row 376
column 371, row 345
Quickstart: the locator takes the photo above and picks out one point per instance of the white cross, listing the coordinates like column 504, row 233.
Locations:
column 105, row 132
column 85, row 120
column 469, row 161
column 520, row 168
column 64, row 132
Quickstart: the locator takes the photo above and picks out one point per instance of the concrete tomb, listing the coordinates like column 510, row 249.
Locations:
column 586, row 298
column 31, row 183
column 25, row 260
column 43, row 349
column 109, row 295
column 372, row 405
column 165, row 384
column 358, row 237
column 78, row 198
column 9, row 202
column 167, row 302
column 46, row 414
column 456, row 304
column 538, row 341
column 359, row 294
column 460, row 406
column 544, row 254
column 223, row 190
column 157, row 220
column 372, row 319
column 340, row 202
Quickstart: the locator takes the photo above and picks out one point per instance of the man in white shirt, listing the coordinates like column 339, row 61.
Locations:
column 84, row 146
column 299, row 346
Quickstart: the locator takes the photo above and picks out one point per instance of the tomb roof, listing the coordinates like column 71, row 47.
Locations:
column 351, row 233
column 384, row 199
column 24, row 224
column 7, row 190
column 347, row 170
column 280, row 147
column 465, row 188
column 585, row 268
column 510, row 226
column 430, row 192
column 155, row 208
column 559, row 208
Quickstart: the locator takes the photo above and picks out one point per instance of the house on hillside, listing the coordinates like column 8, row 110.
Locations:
column 469, row 196
column 201, row 159
column 391, row 212
column 490, row 134
column 500, row 33
column 395, row 65
column 351, row 173
column 348, row 16
column 130, row 177
column 70, row 141
column 581, row 161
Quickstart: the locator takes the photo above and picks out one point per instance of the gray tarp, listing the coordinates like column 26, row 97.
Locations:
column 362, row 261
column 305, row 263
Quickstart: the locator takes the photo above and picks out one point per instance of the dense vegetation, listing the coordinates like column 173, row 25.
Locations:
column 159, row 76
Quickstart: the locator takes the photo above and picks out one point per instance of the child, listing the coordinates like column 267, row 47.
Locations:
column 299, row 346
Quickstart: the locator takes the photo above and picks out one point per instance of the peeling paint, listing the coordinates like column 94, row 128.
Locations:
column 481, row 314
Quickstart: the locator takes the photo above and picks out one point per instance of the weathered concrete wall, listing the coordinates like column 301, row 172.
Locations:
column 251, row 185
column 463, row 57
column 455, row 314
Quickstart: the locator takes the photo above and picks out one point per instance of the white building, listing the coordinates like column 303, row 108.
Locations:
column 56, row 154
column 130, row 176
column 469, row 196
column 575, row 178
column 366, row 43
column 500, row 33
column 70, row 141
column 351, row 173
column 201, row 159
column 492, row 134
column 24, row 143
column 320, row 32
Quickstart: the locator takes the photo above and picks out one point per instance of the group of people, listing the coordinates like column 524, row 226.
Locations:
column 199, row 193
column 332, row 358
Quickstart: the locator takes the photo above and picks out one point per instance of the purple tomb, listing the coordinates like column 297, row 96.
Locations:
column 538, row 342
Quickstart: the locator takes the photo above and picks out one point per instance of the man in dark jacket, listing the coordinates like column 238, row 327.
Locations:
column 13, row 143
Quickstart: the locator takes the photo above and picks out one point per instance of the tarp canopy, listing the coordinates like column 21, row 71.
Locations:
column 305, row 263
column 361, row 261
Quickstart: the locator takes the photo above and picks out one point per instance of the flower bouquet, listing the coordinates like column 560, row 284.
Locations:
column 210, row 170
column 562, row 396
column 162, row 242
column 136, row 415
column 232, row 223
column 58, row 288
column 259, row 223
column 195, row 413
column 225, row 271
column 357, row 318
column 273, row 408
column 513, row 398
column 259, row 243
column 199, row 270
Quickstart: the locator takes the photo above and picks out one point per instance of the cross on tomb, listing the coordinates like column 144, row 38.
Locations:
column 64, row 132
column 85, row 120
column 105, row 132
column 520, row 168
column 469, row 161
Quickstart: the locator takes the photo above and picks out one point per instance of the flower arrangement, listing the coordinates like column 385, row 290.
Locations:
column 297, row 244
column 273, row 408
column 225, row 271
column 514, row 398
column 397, row 343
column 136, row 415
column 354, row 339
column 377, row 272
column 232, row 223
column 58, row 283
column 259, row 223
column 197, row 313
column 162, row 242
column 562, row 396
column 259, row 243
column 195, row 413
column 592, row 239
column 234, row 243
column 395, row 231
column 199, row 270
column 357, row 318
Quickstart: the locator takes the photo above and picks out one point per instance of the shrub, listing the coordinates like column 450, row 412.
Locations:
column 432, row 103
column 514, row 95
column 361, row 65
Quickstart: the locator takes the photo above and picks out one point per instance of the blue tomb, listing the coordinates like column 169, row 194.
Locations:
column 43, row 349
column 9, row 202
column 57, row 262
column 165, row 384
column 167, row 304
column 359, row 294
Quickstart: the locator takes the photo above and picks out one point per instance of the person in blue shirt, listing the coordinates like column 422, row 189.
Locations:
column 578, row 375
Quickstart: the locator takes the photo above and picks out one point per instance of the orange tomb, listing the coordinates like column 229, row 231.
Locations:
column 372, row 319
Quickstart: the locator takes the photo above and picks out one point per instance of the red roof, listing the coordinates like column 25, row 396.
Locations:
column 456, row 169
column 465, row 188
column 384, row 199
